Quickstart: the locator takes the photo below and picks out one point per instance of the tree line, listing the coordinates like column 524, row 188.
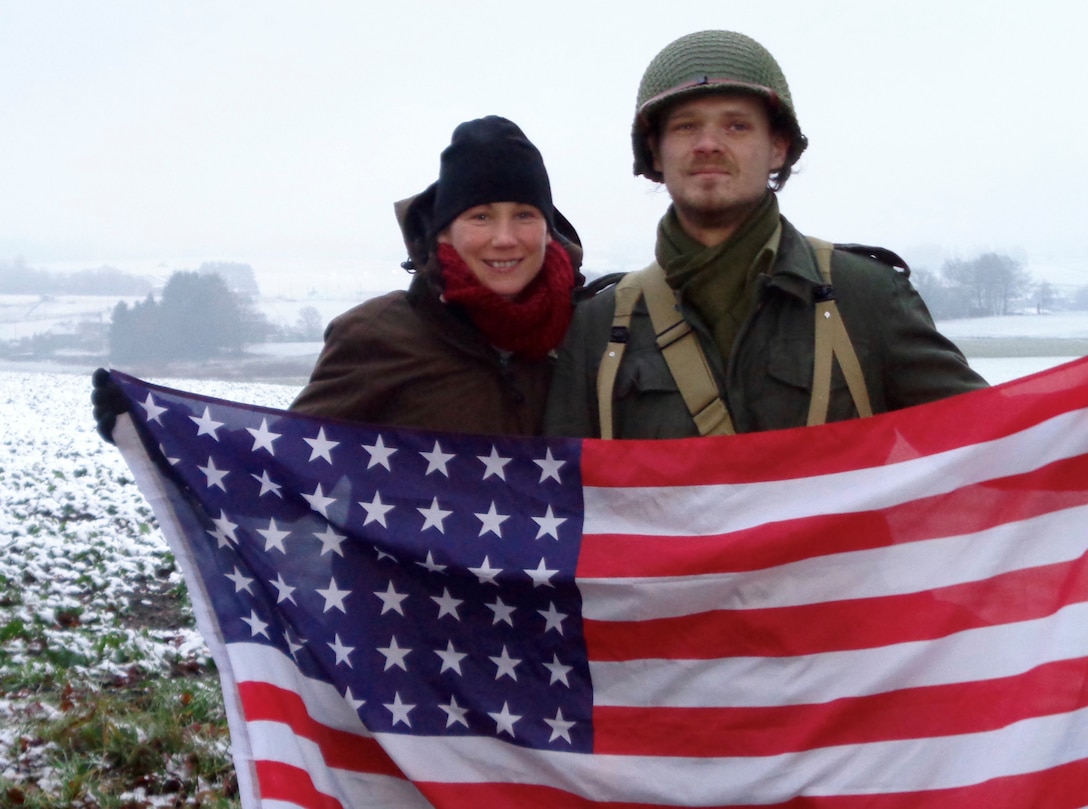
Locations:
column 989, row 284
column 198, row 316
column 211, row 311
column 16, row 278
column 201, row 315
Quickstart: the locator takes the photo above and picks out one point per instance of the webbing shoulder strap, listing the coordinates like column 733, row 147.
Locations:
column 684, row 356
column 628, row 292
column 832, row 342
column 678, row 345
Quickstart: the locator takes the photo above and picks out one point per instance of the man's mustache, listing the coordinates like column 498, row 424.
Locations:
column 717, row 164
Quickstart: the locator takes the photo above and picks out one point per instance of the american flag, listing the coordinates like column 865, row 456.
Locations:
column 883, row 613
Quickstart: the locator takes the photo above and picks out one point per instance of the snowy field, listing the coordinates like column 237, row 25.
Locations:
column 996, row 370
column 77, row 546
column 23, row 316
column 83, row 569
column 1056, row 325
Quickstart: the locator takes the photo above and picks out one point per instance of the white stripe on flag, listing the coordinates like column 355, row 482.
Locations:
column 876, row 768
column 708, row 510
column 978, row 654
column 255, row 662
column 276, row 742
column 911, row 567
column 936, row 763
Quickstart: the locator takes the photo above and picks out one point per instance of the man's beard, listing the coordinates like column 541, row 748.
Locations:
column 711, row 216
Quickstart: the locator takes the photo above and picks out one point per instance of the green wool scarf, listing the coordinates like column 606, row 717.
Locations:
column 718, row 282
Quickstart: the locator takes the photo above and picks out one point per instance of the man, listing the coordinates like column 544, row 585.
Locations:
column 742, row 324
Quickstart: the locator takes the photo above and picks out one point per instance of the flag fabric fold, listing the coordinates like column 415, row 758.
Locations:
column 882, row 613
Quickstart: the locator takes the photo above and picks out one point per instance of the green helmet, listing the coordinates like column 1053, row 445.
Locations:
column 712, row 62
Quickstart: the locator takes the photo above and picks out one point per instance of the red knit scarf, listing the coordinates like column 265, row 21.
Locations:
column 529, row 326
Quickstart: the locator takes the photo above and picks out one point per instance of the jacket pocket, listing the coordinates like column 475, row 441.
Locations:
column 644, row 372
column 791, row 365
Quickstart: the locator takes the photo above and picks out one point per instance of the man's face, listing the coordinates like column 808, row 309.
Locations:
column 716, row 153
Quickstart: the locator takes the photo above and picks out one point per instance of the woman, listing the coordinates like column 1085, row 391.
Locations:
column 468, row 347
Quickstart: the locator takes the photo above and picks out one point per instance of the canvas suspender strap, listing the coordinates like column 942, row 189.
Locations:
column 628, row 292
column 687, row 362
column 678, row 344
column 684, row 356
column 832, row 342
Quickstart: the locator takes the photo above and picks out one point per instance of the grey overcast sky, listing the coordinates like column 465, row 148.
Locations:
column 279, row 133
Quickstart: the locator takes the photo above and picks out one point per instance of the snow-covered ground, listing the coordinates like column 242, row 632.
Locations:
column 1054, row 325
column 24, row 316
column 996, row 370
column 81, row 560
column 1019, row 335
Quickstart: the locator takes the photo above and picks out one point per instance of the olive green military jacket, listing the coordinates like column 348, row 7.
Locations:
column 766, row 382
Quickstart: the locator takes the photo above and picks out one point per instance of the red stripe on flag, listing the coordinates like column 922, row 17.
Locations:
column 1020, row 595
column 1061, row 787
column 967, row 510
column 968, row 418
column 917, row 713
column 340, row 749
column 513, row 796
column 282, row 782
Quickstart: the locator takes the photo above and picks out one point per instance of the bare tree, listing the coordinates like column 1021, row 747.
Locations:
column 1045, row 296
column 239, row 278
column 943, row 299
column 310, row 324
column 991, row 281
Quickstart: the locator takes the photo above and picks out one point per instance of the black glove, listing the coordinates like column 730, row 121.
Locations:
column 109, row 402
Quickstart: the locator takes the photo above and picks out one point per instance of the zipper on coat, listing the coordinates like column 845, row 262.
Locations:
column 763, row 294
column 506, row 371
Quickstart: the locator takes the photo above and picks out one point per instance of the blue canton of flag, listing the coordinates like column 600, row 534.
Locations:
column 431, row 582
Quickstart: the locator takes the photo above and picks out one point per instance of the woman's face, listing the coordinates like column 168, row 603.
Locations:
column 502, row 243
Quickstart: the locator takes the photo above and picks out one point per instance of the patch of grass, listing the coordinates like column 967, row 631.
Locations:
column 14, row 628
column 139, row 742
column 26, row 678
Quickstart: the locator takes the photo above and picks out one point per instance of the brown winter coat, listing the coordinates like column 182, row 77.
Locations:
column 408, row 359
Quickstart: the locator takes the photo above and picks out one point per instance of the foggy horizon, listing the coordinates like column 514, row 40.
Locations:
column 280, row 136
